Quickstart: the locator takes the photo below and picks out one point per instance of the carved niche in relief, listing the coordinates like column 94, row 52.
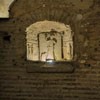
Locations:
column 49, row 40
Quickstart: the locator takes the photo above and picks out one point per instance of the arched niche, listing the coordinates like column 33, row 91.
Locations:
column 49, row 40
column 5, row 7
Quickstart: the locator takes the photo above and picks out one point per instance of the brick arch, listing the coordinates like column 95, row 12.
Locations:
column 42, row 11
column 47, row 26
column 41, row 14
column 40, row 5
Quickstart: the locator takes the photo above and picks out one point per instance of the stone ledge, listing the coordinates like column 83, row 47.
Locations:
column 55, row 67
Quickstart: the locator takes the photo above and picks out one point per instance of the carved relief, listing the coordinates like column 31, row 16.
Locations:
column 49, row 40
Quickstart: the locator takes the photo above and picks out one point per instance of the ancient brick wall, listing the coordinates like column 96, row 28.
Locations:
column 84, row 83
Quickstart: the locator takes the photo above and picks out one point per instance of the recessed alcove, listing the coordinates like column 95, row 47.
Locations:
column 49, row 40
column 50, row 45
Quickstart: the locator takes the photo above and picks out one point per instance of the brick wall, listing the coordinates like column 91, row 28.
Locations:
column 84, row 83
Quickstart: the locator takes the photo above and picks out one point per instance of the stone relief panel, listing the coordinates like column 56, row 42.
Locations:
column 49, row 40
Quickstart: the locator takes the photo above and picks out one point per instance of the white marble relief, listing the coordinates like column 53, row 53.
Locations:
column 49, row 40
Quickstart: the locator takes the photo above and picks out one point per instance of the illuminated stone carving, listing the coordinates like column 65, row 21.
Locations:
column 49, row 40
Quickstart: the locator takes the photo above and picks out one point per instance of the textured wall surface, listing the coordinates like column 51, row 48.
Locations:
column 83, row 84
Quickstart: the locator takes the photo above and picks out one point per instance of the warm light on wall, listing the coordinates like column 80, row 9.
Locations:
column 49, row 41
column 4, row 8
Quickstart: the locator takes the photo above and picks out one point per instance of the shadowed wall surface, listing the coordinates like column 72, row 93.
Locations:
column 16, row 83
